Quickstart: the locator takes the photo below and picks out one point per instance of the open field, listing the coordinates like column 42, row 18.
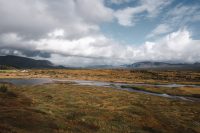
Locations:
column 112, row 75
column 8, row 71
column 99, row 66
column 67, row 107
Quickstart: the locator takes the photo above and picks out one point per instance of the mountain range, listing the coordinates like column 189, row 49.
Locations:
column 11, row 61
column 162, row 65
column 25, row 63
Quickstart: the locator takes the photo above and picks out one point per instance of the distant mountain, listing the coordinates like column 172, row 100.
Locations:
column 101, row 67
column 162, row 65
column 25, row 63
column 4, row 67
column 17, row 62
column 148, row 64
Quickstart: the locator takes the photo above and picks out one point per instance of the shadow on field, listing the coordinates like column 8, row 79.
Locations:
column 17, row 114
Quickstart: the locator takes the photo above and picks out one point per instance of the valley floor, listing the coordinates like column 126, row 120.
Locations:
column 111, row 75
column 67, row 107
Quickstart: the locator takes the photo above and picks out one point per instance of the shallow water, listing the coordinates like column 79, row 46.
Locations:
column 36, row 81
column 118, row 86
column 40, row 81
column 167, row 85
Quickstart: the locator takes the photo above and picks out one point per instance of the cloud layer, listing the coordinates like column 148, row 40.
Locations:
column 129, row 15
column 68, row 32
column 177, row 17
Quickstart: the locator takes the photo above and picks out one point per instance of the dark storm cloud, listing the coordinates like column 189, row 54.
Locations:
column 28, row 53
column 36, row 53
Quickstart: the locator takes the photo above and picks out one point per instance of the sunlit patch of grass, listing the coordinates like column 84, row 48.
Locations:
column 8, row 71
column 113, row 75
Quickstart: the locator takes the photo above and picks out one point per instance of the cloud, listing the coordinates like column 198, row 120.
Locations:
column 36, row 18
column 94, row 11
column 174, row 47
column 178, row 17
column 183, row 14
column 126, row 16
column 68, row 32
column 154, row 7
column 129, row 15
column 120, row 1
column 24, row 22
column 159, row 30
column 177, row 47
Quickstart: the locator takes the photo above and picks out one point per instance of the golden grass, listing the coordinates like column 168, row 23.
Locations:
column 113, row 75
column 66, row 107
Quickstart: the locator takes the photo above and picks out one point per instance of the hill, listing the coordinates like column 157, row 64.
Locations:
column 25, row 63
column 162, row 65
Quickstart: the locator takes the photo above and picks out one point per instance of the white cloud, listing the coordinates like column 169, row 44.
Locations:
column 159, row 30
column 97, row 49
column 36, row 18
column 89, row 47
column 154, row 7
column 183, row 14
column 176, row 46
column 128, row 15
column 120, row 1
column 23, row 22
column 10, row 38
column 57, row 33
column 94, row 11
column 176, row 18
column 125, row 16
column 69, row 31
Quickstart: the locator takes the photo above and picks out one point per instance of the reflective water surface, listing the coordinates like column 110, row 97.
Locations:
column 39, row 81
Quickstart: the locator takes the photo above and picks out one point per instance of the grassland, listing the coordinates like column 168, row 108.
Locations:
column 113, row 75
column 66, row 107
column 71, row 108
column 8, row 71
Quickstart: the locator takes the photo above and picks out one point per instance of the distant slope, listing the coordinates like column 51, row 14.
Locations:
column 148, row 64
column 101, row 67
column 162, row 65
column 23, row 62
column 4, row 67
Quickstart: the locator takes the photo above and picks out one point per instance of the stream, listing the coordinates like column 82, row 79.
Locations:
column 40, row 81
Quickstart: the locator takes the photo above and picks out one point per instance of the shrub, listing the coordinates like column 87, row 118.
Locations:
column 3, row 88
column 11, row 94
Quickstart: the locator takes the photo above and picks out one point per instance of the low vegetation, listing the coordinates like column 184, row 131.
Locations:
column 3, row 89
column 140, row 88
column 176, row 91
column 66, row 107
column 4, row 67
column 113, row 75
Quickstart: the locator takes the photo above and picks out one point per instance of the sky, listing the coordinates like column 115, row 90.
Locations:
column 101, row 32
